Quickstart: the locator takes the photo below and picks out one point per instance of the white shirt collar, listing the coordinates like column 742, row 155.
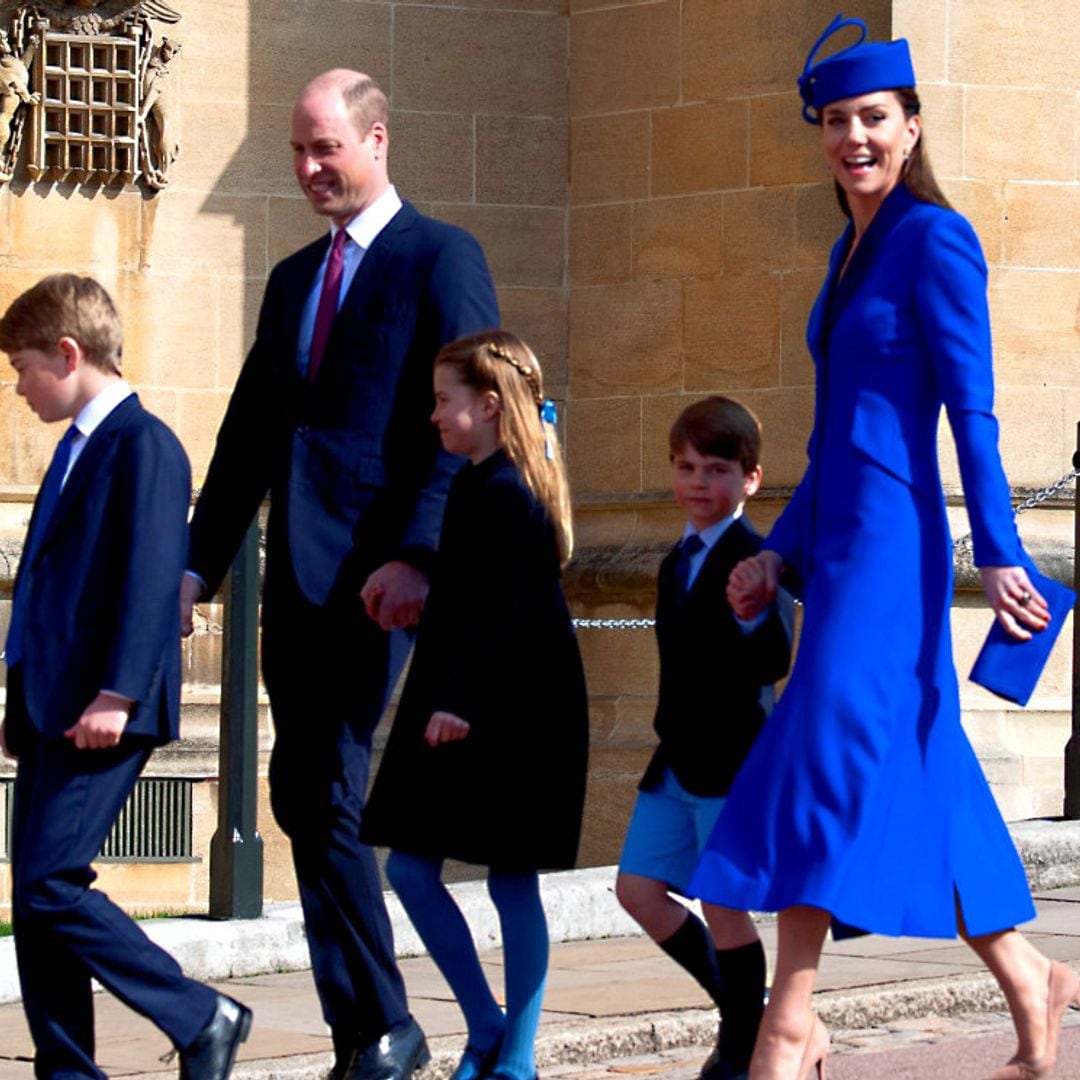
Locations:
column 712, row 534
column 99, row 407
column 372, row 219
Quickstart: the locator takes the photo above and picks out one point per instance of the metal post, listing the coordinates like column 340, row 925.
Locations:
column 236, row 851
column 1072, row 748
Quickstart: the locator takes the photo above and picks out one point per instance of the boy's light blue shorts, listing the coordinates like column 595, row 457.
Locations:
column 667, row 833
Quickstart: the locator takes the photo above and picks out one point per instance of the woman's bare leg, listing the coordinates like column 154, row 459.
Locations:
column 1023, row 974
column 787, row 1022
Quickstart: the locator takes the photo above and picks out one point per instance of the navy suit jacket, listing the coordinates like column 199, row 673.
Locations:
column 716, row 682
column 103, row 603
column 353, row 465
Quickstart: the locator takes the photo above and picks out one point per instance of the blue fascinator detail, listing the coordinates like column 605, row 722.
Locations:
column 861, row 68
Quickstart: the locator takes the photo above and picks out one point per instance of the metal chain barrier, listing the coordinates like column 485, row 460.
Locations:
column 962, row 544
column 614, row 624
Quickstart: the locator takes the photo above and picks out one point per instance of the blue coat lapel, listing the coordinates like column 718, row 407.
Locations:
column 88, row 464
column 870, row 253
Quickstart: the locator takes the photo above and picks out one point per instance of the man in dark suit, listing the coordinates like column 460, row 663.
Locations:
column 94, row 684
column 330, row 416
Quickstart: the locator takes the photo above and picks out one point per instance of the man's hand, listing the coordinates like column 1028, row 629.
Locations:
column 3, row 743
column 102, row 724
column 190, row 591
column 394, row 595
column 445, row 727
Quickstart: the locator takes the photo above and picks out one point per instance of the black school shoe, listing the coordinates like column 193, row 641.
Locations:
column 212, row 1053
column 717, row 1067
column 395, row 1056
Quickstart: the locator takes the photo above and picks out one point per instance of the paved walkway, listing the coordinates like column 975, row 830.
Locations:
column 606, row 999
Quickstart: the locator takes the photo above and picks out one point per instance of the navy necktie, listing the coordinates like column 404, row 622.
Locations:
column 690, row 546
column 47, row 499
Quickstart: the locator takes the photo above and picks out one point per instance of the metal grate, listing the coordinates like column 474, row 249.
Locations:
column 153, row 826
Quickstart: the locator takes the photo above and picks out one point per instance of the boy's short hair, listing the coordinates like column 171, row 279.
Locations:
column 719, row 427
column 65, row 305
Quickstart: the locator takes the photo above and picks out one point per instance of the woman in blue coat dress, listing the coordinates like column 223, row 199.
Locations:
column 862, row 799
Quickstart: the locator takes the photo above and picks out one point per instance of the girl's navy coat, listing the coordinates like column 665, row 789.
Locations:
column 496, row 647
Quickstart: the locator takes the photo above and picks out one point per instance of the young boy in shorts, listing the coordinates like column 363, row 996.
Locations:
column 93, row 658
column 716, row 688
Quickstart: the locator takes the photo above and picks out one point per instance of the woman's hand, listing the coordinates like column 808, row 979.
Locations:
column 445, row 727
column 1016, row 602
column 753, row 583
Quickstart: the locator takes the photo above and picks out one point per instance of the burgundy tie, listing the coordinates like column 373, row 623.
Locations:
column 328, row 303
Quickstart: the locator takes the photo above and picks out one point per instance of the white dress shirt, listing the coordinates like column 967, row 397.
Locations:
column 90, row 417
column 362, row 231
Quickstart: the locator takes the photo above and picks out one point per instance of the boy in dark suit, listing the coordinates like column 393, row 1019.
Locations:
column 93, row 684
column 716, row 688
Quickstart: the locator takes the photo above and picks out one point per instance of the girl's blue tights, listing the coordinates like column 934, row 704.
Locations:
column 442, row 927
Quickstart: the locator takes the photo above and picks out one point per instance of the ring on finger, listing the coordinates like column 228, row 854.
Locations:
column 1025, row 598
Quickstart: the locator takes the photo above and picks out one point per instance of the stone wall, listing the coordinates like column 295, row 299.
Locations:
column 478, row 136
column 657, row 217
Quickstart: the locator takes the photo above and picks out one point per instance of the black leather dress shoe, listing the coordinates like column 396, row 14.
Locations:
column 396, row 1056
column 211, row 1055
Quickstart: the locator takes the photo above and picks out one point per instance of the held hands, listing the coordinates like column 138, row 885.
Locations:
column 1016, row 602
column 102, row 724
column 445, row 727
column 753, row 583
column 394, row 595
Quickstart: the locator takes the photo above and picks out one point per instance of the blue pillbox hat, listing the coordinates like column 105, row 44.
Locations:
column 859, row 69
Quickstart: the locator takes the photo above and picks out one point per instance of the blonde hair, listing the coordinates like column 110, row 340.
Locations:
column 498, row 361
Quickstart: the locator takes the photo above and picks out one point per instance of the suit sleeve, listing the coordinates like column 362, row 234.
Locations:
column 950, row 287
column 768, row 646
column 153, row 483
column 461, row 300
column 248, row 443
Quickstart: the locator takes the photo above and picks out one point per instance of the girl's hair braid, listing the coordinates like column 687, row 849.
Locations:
column 501, row 362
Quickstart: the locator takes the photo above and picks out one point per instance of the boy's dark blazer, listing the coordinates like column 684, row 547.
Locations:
column 353, row 465
column 716, row 683
column 102, row 610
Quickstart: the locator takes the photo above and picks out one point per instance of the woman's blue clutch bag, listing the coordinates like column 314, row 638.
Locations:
column 1009, row 667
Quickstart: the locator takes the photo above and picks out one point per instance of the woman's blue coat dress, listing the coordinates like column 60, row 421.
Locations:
column 862, row 795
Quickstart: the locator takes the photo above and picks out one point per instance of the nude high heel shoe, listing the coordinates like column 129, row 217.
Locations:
column 817, row 1046
column 1063, row 990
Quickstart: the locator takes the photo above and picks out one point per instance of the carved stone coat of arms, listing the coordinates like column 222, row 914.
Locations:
column 84, row 84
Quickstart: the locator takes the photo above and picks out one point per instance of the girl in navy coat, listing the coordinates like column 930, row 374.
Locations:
column 487, row 757
column 863, row 799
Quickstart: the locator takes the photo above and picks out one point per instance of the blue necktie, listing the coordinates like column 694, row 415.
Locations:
column 48, row 497
column 690, row 546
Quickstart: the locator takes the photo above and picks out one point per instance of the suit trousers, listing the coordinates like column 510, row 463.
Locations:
column 66, row 932
column 328, row 670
